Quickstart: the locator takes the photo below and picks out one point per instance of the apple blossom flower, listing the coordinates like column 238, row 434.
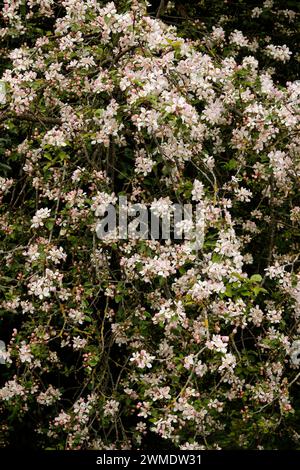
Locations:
column 39, row 217
column 142, row 359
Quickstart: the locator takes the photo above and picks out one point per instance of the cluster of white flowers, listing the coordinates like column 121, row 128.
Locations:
column 62, row 420
column 55, row 137
column 39, row 217
column 198, row 190
column 143, row 163
column 5, row 184
column 43, row 286
column 142, row 359
column 82, row 409
column 282, row 165
column 111, row 408
column 108, row 124
column 78, row 343
column 12, row 389
column 238, row 39
column 243, row 194
column 4, row 354
column 56, row 255
column 147, row 119
column 50, row 396
column 228, row 362
column 295, row 214
column 162, row 207
column 25, row 352
column 101, row 201
column 76, row 316
column 213, row 112
column 169, row 313
column 32, row 252
column 256, row 12
column 217, row 34
column 280, row 53
column 218, row 343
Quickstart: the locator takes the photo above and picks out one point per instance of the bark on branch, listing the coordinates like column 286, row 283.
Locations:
column 162, row 8
column 30, row 118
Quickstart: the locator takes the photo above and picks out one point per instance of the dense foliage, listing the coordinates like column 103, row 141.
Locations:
column 111, row 342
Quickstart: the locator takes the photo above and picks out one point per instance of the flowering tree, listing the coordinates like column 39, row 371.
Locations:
column 109, row 341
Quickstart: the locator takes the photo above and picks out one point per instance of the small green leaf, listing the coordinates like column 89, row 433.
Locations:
column 256, row 278
column 49, row 224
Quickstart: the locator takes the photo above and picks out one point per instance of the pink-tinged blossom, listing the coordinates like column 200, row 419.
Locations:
column 55, row 137
column 280, row 53
column 162, row 207
column 5, row 184
column 101, row 201
column 25, row 352
column 79, row 343
column 62, row 420
column 197, row 191
column 217, row 344
column 143, row 163
column 12, row 389
column 142, row 359
column 50, row 396
column 111, row 408
column 44, row 286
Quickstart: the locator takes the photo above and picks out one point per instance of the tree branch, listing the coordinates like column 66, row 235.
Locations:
column 30, row 118
column 162, row 7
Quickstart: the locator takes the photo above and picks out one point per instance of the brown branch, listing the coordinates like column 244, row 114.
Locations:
column 30, row 118
column 162, row 8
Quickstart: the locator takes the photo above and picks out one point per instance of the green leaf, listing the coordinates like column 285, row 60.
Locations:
column 257, row 290
column 228, row 292
column 255, row 278
column 49, row 224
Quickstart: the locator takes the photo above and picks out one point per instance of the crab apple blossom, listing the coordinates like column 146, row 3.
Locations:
column 107, row 341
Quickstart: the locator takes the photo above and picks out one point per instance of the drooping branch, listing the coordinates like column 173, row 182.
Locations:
column 30, row 118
